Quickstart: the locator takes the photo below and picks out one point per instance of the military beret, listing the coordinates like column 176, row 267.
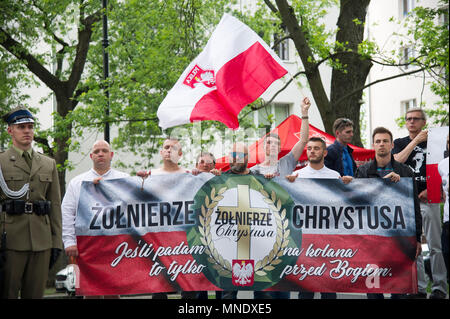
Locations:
column 18, row 115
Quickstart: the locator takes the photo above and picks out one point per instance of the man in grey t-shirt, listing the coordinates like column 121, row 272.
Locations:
column 271, row 166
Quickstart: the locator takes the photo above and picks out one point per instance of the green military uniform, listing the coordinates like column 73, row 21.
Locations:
column 30, row 235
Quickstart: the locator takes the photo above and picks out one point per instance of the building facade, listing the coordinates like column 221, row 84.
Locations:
column 383, row 102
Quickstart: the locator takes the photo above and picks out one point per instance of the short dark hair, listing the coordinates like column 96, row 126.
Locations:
column 381, row 130
column 202, row 153
column 341, row 123
column 318, row 139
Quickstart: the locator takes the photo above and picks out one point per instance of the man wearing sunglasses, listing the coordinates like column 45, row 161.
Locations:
column 239, row 160
column 411, row 150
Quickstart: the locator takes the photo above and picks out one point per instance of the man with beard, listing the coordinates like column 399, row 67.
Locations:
column 385, row 166
column 239, row 160
column 316, row 150
column 238, row 165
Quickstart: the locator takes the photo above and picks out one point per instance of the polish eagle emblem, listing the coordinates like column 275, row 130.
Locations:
column 243, row 272
column 199, row 76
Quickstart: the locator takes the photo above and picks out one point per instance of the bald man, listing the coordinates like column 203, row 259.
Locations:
column 101, row 156
column 239, row 160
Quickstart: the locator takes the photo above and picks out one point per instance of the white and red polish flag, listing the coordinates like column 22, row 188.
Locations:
column 436, row 145
column 233, row 70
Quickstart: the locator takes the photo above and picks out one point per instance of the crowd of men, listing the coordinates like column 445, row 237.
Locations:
column 35, row 224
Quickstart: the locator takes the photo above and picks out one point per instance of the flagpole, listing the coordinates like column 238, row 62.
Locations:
column 106, row 68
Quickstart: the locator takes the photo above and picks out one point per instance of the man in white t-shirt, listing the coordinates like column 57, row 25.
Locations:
column 316, row 150
column 171, row 153
column 443, row 168
column 101, row 155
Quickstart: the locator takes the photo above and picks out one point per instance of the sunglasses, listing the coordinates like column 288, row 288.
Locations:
column 238, row 154
column 344, row 122
column 410, row 119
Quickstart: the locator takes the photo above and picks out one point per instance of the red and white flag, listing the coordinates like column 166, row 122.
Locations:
column 436, row 145
column 233, row 70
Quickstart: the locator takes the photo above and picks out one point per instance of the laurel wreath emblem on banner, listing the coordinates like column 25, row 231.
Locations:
column 223, row 266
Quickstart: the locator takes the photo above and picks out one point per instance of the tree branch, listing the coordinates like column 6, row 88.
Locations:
column 84, row 39
column 21, row 53
column 274, row 96
column 47, row 24
column 120, row 121
column 278, row 41
column 271, row 6
column 379, row 81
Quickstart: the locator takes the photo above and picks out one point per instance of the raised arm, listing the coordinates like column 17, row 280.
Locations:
column 304, row 130
column 403, row 155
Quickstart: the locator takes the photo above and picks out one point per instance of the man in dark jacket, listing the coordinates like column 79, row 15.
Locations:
column 385, row 166
column 339, row 157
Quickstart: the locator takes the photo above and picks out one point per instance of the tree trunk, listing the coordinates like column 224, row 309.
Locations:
column 312, row 72
column 356, row 69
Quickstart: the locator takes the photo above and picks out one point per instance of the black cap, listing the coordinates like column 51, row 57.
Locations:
column 18, row 115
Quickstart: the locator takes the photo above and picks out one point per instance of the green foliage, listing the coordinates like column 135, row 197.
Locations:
column 429, row 34
column 150, row 44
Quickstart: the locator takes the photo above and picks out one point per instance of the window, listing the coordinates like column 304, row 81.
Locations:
column 281, row 113
column 443, row 17
column 282, row 48
column 407, row 53
column 406, row 6
column 264, row 116
column 272, row 115
column 406, row 105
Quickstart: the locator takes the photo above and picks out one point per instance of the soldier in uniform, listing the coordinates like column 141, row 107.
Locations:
column 30, row 211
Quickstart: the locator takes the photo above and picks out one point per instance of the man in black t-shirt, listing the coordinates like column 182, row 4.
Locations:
column 411, row 150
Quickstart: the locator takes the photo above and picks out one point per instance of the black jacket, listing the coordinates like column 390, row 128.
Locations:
column 369, row 170
column 333, row 160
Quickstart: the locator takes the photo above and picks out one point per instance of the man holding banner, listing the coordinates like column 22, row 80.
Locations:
column 101, row 155
column 384, row 166
column 316, row 150
column 239, row 231
column 412, row 150
column 238, row 165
